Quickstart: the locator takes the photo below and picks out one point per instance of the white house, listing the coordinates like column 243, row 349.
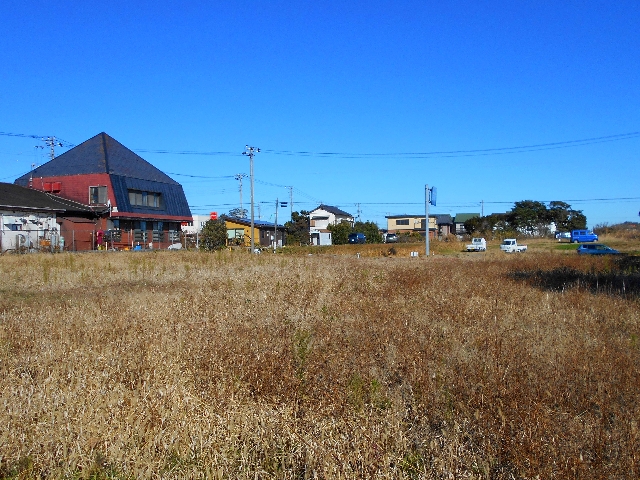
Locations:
column 321, row 218
column 30, row 220
column 196, row 225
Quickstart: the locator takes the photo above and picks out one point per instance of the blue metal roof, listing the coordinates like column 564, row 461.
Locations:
column 100, row 154
column 256, row 223
column 126, row 169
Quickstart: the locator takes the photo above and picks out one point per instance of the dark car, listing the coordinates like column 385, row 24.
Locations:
column 391, row 238
column 357, row 238
column 597, row 249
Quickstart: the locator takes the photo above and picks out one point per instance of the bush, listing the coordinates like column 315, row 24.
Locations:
column 214, row 235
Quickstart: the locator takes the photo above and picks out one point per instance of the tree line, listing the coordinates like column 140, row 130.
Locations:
column 527, row 216
column 530, row 218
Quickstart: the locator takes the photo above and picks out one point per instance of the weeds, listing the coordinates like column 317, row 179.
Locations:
column 225, row 365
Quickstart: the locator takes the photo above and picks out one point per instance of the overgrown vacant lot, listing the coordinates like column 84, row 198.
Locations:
column 179, row 365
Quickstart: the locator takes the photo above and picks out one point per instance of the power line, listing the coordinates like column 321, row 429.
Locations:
column 466, row 153
column 497, row 202
column 23, row 135
column 46, row 138
column 416, row 155
column 200, row 176
column 184, row 152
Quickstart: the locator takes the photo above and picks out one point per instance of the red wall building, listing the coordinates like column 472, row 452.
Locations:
column 136, row 203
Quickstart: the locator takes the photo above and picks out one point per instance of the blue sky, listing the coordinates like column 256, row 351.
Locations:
column 370, row 83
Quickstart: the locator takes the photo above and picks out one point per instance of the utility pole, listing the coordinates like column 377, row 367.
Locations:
column 239, row 177
column 482, row 208
column 291, row 200
column 50, row 142
column 358, row 205
column 251, row 151
column 275, row 230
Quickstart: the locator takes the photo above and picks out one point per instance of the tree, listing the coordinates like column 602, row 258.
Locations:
column 577, row 220
column 496, row 222
column 474, row 224
column 340, row 233
column 298, row 228
column 370, row 231
column 565, row 218
column 530, row 216
column 238, row 212
column 213, row 235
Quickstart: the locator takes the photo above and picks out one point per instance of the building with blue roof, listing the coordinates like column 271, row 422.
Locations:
column 141, row 203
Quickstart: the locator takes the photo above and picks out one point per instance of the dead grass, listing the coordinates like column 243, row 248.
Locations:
column 189, row 365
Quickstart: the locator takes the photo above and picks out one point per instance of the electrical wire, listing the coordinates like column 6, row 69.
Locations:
column 415, row 155
column 466, row 153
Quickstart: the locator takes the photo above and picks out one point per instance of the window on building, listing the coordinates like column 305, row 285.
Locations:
column 402, row 221
column 138, row 198
column 97, row 195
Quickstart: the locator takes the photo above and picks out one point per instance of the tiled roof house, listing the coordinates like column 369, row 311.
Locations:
column 320, row 219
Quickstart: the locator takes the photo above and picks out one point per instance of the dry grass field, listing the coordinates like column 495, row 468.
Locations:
column 226, row 365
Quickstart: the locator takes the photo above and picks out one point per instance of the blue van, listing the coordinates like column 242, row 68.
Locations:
column 582, row 236
column 357, row 238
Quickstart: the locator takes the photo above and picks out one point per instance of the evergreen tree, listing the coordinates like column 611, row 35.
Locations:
column 370, row 231
column 213, row 235
column 340, row 233
column 298, row 228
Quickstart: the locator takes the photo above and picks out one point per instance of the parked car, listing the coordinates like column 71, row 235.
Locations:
column 477, row 245
column 563, row 236
column 510, row 245
column 357, row 238
column 597, row 249
column 581, row 236
column 391, row 238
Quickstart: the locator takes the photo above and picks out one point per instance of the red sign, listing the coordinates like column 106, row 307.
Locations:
column 213, row 215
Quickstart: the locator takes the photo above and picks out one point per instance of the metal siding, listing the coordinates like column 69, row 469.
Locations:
column 175, row 202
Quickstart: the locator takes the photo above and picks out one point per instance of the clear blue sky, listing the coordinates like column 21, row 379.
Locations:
column 368, row 82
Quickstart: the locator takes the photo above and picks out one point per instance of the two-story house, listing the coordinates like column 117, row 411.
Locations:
column 143, row 205
column 406, row 224
column 320, row 219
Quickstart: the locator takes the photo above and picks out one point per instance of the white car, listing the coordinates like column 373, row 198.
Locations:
column 510, row 245
column 477, row 245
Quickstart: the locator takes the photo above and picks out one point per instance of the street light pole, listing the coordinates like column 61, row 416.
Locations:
column 426, row 219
